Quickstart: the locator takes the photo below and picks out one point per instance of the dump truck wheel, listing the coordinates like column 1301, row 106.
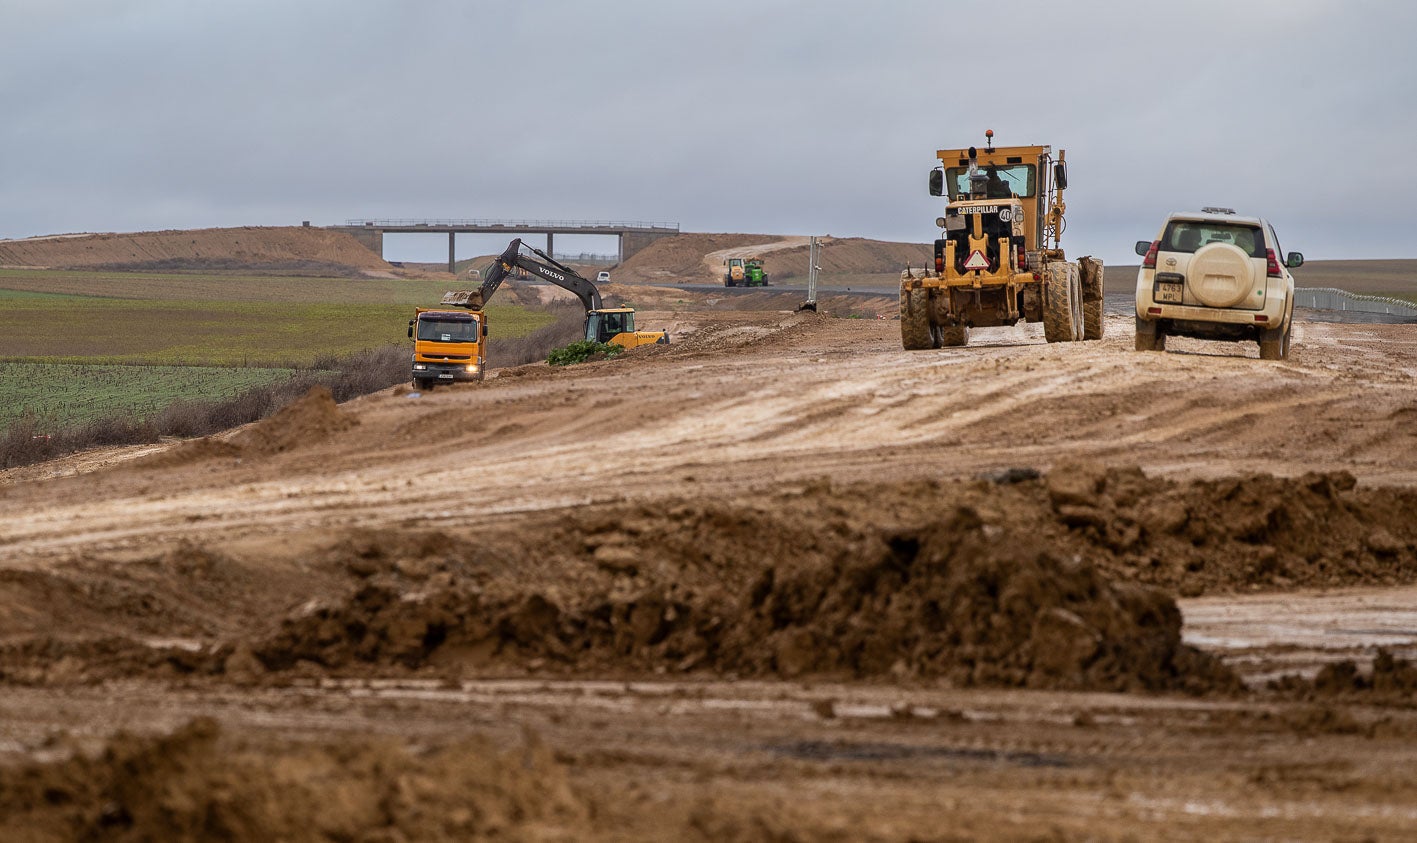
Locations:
column 915, row 331
column 1274, row 345
column 1092, row 320
column 1149, row 336
column 1060, row 303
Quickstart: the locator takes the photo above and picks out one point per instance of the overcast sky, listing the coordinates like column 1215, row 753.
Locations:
column 762, row 116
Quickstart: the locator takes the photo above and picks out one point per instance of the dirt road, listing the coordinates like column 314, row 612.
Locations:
column 635, row 577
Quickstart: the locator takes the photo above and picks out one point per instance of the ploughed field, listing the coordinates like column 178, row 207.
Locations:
column 780, row 580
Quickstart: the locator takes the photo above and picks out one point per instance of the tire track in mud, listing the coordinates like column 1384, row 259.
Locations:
column 837, row 391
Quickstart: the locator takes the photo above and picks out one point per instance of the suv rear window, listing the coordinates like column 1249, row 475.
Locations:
column 1189, row 235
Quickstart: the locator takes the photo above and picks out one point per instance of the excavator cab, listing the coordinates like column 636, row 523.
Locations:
column 617, row 325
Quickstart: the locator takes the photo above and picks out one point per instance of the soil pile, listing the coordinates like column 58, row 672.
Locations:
column 851, row 256
column 974, row 603
column 291, row 248
column 197, row 784
column 1015, row 579
column 309, row 419
column 1389, row 678
column 1197, row 537
column 681, row 257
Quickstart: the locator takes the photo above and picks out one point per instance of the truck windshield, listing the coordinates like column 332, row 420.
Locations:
column 1014, row 179
column 1189, row 235
column 447, row 330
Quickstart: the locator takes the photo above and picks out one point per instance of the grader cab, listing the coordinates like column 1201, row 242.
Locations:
column 998, row 259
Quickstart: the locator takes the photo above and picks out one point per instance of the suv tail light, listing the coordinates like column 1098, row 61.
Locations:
column 1149, row 262
column 1272, row 261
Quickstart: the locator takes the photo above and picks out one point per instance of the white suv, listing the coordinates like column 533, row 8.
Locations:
column 1217, row 276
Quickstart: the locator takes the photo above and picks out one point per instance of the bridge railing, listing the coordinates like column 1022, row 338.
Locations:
column 1330, row 298
column 530, row 225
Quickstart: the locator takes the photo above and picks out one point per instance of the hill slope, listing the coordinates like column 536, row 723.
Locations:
column 289, row 247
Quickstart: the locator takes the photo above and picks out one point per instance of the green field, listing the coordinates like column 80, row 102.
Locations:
column 76, row 346
column 77, row 394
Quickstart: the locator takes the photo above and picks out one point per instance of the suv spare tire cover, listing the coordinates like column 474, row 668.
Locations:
column 1219, row 275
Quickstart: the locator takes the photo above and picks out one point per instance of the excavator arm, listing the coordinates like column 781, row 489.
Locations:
column 537, row 263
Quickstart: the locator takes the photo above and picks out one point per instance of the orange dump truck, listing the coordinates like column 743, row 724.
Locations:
column 448, row 346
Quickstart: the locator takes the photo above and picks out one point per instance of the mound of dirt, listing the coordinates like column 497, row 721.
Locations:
column 199, row 784
column 1020, row 579
column 955, row 599
column 847, row 256
column 1206, row 536
column 282, row 248
column 311, row 418
column 1388, row 678
column 681, row 257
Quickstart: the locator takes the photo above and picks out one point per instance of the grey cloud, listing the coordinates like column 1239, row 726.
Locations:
column 782, row 117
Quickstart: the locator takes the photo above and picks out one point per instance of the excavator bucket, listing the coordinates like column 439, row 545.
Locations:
column 471, row 299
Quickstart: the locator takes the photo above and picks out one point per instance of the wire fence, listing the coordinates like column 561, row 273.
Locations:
column 1330, row 298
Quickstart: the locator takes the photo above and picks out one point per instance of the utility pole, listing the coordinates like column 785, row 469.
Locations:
column 813, row 255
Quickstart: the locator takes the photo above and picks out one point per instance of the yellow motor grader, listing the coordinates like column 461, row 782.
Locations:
column 998, row 259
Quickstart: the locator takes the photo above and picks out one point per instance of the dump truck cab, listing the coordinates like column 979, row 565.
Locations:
column 448, row 346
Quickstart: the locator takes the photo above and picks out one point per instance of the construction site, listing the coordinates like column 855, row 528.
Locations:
column 782, row 576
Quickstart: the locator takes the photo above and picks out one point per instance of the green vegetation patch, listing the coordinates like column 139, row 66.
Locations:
column 73, row 329
column 580, row 352
column 66, row 394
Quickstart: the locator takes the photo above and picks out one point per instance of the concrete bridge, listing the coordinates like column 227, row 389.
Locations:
column 632, row 236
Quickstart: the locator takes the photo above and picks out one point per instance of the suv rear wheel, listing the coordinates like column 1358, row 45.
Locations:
column 1149, row 336
column 1274, row 345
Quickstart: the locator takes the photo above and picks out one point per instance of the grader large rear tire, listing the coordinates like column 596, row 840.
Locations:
column 1062, row 303
column 915, row 331
column 1092, row 320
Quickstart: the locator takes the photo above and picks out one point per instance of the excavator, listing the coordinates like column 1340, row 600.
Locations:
column 602, row 324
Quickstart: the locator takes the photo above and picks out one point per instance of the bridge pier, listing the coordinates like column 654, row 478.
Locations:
column 370, row 238
column 631, row 236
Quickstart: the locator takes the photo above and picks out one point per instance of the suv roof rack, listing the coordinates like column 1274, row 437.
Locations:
column 1214, row 210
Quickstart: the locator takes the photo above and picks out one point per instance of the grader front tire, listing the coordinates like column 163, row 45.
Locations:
column 915, row 333
column 953, row 336
column 1062, row 303
column 1092, row 320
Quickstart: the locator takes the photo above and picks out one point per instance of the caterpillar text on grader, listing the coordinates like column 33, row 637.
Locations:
column 998, row 258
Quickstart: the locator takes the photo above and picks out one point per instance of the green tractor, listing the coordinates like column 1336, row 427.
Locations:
column 753, row 274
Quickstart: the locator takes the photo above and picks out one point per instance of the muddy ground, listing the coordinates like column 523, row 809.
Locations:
column 778, row 581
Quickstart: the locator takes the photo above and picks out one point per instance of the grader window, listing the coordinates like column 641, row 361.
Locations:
column 1002, row 181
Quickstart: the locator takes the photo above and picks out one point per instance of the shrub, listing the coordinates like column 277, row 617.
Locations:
column 580, row 352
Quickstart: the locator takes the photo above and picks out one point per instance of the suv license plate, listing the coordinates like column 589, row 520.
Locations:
column 449, row 377
column 1168, row 292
